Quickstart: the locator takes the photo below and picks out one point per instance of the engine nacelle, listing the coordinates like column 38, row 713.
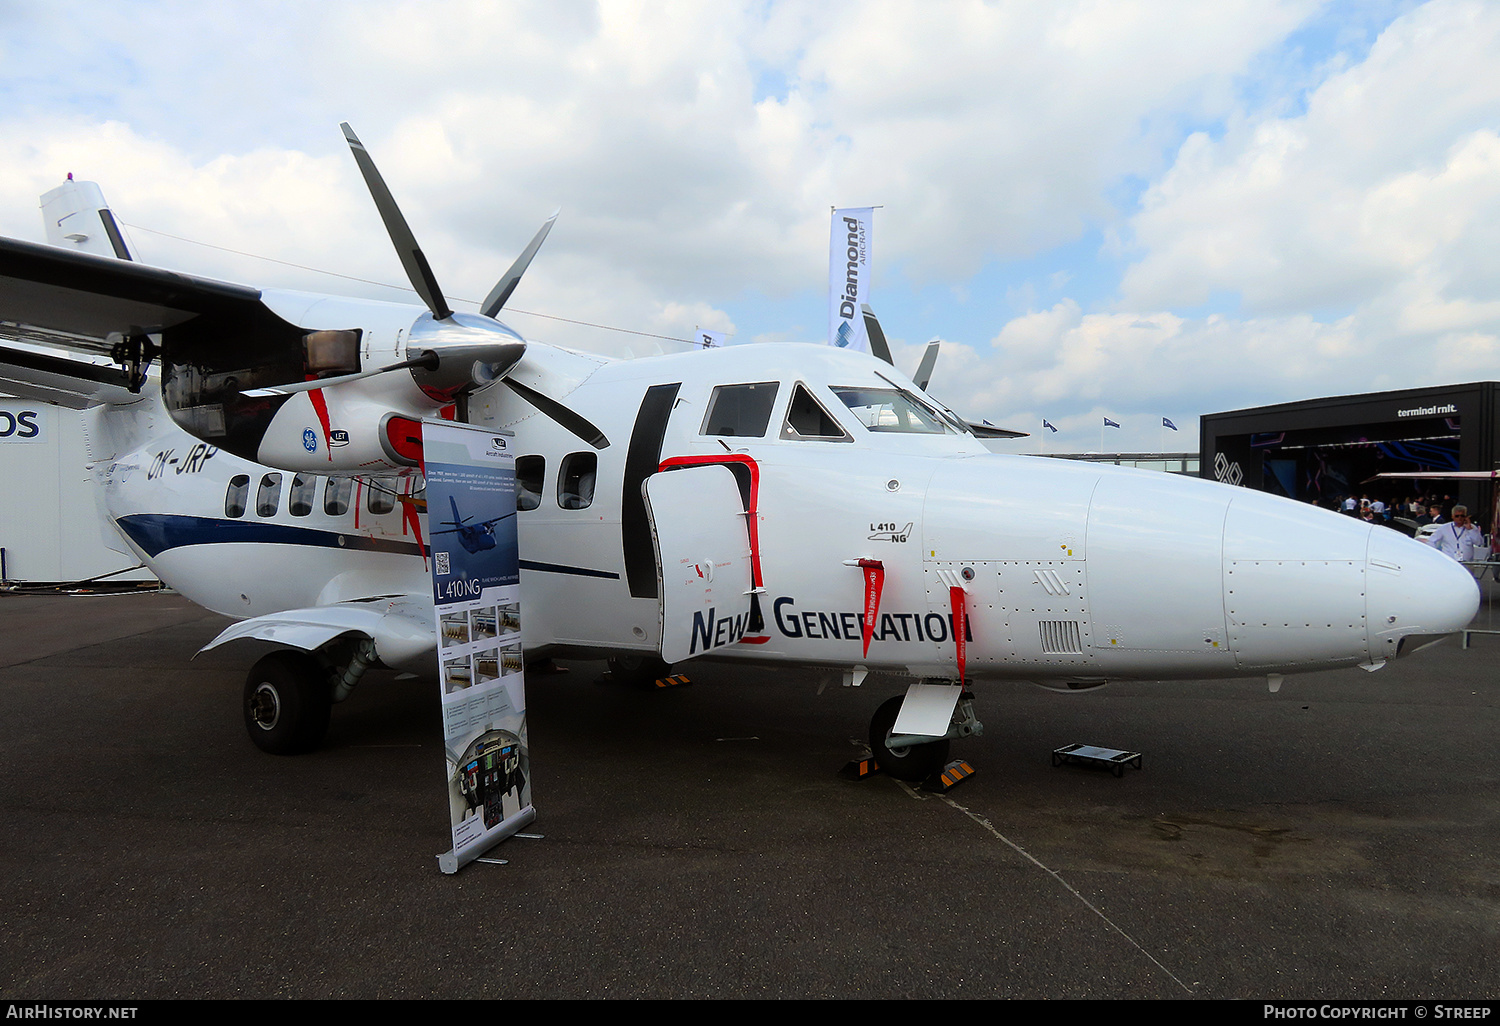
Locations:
column 328, row 431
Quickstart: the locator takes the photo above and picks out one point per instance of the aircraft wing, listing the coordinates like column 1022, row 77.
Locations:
column 400, row 625
column 62, row 312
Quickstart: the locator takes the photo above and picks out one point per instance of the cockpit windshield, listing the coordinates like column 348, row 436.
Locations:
column 892, row 409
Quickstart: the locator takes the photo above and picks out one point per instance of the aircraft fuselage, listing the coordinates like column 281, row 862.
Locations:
column 1069, row 572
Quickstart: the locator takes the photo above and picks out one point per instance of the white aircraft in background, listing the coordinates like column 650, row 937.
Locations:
column 779, row 504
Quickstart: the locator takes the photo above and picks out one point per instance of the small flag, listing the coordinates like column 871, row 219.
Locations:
column 1049, row 427
column 1109, row 423
column 710, row 339
column 1168, row 424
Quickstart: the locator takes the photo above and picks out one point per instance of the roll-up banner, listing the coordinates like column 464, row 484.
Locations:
column 849, row 277
column 476, row 590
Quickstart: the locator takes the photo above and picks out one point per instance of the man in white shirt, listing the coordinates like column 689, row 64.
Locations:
column 1460, row 539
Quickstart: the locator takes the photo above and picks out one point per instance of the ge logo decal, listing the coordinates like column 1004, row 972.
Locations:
column 309, row 440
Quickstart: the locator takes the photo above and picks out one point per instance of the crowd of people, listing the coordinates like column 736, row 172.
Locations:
column 1455, row 532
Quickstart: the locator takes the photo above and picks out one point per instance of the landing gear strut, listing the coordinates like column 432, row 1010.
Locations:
column 287, row 702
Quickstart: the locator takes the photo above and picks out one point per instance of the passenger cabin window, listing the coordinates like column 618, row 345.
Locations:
column 336, row 496
column 299, row 502
column 237, row 496
column 575, row 480
column 807, row 420
column 382, row 494
column 530, row 472
column 740, row 411
column 268, row 496
column 891, row 410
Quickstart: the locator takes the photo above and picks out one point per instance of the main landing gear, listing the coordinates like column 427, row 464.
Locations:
column 287, row 703
column 289, row 694
column 643, row 671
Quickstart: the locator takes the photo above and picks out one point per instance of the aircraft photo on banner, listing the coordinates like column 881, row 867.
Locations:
column 476, row 587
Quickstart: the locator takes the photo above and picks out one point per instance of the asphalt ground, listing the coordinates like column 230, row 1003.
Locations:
column 1337, row 840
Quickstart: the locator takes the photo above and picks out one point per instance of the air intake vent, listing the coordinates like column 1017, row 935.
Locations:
column 1060, row 637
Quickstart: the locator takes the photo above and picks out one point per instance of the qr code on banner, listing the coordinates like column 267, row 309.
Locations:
column 440, row 563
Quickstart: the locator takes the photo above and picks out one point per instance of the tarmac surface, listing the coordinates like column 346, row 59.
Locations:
column 1337, row 840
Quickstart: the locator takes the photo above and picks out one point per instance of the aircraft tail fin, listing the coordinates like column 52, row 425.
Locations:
column 77, row 217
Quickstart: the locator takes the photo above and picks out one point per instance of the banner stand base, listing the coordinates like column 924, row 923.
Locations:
column 451, row 861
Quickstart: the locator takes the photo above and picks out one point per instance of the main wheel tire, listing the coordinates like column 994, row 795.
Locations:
column 911, row 762
column 287, row 702
column 638, row 670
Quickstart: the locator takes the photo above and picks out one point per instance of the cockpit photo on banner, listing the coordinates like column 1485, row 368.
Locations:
column 476, row 588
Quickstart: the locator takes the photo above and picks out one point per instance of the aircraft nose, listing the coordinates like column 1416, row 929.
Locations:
column 1413, row 591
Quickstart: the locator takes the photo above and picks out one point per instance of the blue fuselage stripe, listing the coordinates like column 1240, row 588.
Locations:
column 155, row 533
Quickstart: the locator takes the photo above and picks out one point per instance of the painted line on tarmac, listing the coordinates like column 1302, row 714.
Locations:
column 1058, row 877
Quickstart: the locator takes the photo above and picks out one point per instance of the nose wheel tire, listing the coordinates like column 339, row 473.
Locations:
column 287, row 702
column 908, row 762
column 638, row 670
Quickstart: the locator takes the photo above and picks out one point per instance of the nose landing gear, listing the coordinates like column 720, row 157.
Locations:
column 917, row 757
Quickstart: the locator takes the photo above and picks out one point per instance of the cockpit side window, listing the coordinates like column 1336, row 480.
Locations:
column 740, row 411
column 806, row 419
column 891, row 410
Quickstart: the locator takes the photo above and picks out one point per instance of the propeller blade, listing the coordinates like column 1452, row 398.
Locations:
column 924, row 369
column 415, row 263
column 878, row 345
column 984, row 429
column 507, row 284
column 428, row 360
column 566, row 418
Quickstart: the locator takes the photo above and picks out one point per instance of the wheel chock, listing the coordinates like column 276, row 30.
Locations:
column 676, row 680
column 859, row 769
column 953, row 774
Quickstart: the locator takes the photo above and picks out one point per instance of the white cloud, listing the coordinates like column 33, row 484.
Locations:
column 1353, row 223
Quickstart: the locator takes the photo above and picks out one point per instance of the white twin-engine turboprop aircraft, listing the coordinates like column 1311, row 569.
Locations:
column 763, row 503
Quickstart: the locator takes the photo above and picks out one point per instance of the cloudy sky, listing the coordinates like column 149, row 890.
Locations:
column 1130, row 209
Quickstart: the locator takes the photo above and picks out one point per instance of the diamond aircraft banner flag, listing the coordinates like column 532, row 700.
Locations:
column 849, row 277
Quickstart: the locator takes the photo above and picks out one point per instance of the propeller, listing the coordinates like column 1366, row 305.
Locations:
column 507, row 284
column 925, row 368
column 412, row 258
column 428, row 360
column 879, row 347
column 452, row 354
